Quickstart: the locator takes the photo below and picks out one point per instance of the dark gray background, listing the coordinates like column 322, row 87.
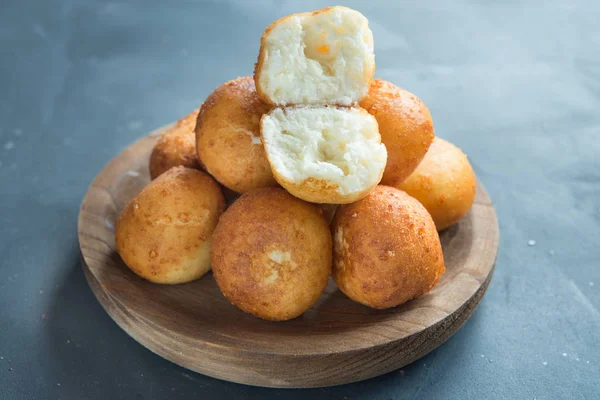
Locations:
column 515, row 84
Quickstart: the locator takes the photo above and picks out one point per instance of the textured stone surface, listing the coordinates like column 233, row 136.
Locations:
column 516, row 85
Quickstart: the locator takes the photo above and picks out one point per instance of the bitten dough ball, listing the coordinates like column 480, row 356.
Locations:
column 405, row 126
column 228, row 136
column 177, row 146
column 164, row 234
column 444, row 183
column 386, row 249
column 320, row 57
column 271, row 254
column 324, row 154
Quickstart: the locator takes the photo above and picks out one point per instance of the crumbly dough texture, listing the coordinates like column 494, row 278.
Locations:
column 324, row 154
column 386, row 249
column 271, row 254
column 164, row 234
column 319, row 57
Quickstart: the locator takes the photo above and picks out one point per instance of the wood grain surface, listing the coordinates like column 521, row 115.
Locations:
column 337, row 341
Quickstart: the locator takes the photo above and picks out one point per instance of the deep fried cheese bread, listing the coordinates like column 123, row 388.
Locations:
column 386, row 249
column 176, row 147
column 272, row 254
column 328, row 155
column 319, row 57
column 228, row 136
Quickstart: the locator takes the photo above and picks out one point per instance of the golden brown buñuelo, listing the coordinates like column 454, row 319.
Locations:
column 271, row 254
column 444, row 183
column 386, row 249
column 164, row 234
column 228, row 136
column 176, row 147
column 325, row 36
column 340, row 146
column 405, row 126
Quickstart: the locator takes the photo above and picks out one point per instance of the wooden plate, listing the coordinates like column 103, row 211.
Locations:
column 335, row 342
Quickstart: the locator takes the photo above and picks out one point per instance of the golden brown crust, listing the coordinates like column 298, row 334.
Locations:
column 320, row 191
column 176, row 147
column 405, row 126
column 271, row 254
column 386, row 249
column 227, row 132
column 164, row 233
column 444, row 183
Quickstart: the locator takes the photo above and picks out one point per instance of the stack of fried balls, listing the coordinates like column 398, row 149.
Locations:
column 340, row 175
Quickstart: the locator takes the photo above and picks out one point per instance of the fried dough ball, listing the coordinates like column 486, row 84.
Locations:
column 324, row 154
column 405, row 126
column 177, row 146
column 386, row 249
column 319, row 57
column 444, row 183
column 271, row 254
column 164, row 234
column 228, row 136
